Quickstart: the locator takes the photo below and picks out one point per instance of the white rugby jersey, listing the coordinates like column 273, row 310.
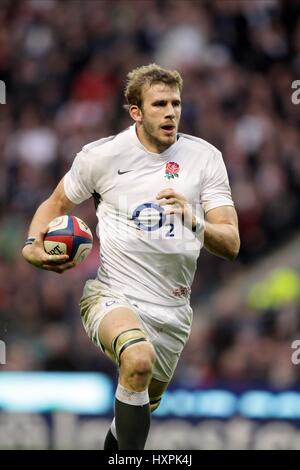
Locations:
column 145, row 254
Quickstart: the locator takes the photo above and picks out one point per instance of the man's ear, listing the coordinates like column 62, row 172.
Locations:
column 136, row 113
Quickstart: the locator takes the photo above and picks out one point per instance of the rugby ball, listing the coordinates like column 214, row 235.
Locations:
column 69, row 235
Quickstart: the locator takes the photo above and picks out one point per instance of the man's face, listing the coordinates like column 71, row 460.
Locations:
column 160, row 116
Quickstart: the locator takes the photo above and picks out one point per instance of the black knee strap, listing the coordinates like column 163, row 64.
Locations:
column 154, row 403
column 125, row 339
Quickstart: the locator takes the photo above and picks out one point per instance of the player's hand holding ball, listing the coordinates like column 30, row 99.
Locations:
column 66, row 243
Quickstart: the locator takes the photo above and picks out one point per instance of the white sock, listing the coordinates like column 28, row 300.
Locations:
column 132, row 398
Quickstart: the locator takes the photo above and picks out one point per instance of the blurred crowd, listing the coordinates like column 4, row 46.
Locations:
column 241, row 341
column 64, row 63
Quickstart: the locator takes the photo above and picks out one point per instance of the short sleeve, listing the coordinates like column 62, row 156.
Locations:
column 215, row 190
column 78, row 184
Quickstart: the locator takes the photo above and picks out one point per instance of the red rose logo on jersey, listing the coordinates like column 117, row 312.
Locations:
column 172, row 170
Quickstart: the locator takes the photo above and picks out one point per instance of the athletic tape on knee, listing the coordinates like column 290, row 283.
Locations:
column 154, row 403
column 125, row 339
column 132, row 398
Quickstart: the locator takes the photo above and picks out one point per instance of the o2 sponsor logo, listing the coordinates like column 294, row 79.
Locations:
column 151, row 217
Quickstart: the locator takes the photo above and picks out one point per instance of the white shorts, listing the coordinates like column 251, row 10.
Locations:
column 167, row 328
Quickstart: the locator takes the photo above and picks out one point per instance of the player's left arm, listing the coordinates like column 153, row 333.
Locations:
column 221, row 234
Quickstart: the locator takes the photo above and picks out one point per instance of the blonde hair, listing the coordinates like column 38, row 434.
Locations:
column 147, row 75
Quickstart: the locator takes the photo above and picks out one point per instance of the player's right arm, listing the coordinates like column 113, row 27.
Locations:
column 56, row 205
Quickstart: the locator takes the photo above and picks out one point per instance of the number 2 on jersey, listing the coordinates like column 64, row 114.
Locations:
column 170, row 233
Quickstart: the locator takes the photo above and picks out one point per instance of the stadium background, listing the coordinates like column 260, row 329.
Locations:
column 64, row 64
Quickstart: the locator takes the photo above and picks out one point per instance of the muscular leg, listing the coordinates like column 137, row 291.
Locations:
column 156, row 389
column 136, row 358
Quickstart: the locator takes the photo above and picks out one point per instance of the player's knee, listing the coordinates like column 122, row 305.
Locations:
column 138, row 360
